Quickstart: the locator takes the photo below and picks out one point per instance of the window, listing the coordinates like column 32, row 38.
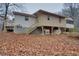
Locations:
column 26, row 18
column 48, row 18
column 69, row 22
column 13, row 19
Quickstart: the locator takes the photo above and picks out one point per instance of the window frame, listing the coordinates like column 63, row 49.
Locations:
column 26, row 18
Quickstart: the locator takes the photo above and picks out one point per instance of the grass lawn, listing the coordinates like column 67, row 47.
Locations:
column 36, row 45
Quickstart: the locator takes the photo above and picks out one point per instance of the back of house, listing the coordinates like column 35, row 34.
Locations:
column 41, row 22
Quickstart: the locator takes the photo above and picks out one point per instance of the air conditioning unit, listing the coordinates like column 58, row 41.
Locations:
column 47, row 31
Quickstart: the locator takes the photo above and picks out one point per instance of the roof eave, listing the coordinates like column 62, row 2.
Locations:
column 49, row 13
column 23, row 14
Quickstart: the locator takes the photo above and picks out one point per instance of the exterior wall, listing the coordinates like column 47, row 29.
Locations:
column 54, row 21
column 21, row 20
column 19, row 30
column 25, row 24
column 69, row 26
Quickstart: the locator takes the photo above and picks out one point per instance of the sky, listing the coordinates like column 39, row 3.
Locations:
column 51, row 7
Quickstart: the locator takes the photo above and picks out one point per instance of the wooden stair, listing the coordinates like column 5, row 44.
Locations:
column 31, row 28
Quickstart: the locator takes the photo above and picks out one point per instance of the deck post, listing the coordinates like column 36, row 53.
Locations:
column 5, row 30
column 59, row 32
column 64, row 29
column 52, row 31
column 42, row 30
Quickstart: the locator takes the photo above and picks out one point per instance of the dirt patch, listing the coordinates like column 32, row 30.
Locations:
column 35, row 45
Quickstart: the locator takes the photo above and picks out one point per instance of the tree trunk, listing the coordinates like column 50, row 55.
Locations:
column 5, row 17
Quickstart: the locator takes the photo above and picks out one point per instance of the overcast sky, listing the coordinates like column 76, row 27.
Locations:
column 51, row 7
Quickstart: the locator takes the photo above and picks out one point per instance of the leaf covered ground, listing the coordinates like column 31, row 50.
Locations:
column 38, row 45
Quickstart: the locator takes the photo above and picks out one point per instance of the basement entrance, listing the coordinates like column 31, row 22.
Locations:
column 9, row 28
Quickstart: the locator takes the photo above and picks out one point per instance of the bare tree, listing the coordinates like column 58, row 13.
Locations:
column 6, row 8
column 72, row 10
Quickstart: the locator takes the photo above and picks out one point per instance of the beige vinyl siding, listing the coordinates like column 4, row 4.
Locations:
column 54, row 21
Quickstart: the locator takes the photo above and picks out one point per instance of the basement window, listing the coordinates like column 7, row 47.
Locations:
column 26, row 18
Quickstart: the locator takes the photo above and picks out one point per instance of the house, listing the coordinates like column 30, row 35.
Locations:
column 41, row 22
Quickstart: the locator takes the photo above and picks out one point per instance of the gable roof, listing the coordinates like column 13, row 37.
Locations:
column 23, row 14
column 46, row 12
